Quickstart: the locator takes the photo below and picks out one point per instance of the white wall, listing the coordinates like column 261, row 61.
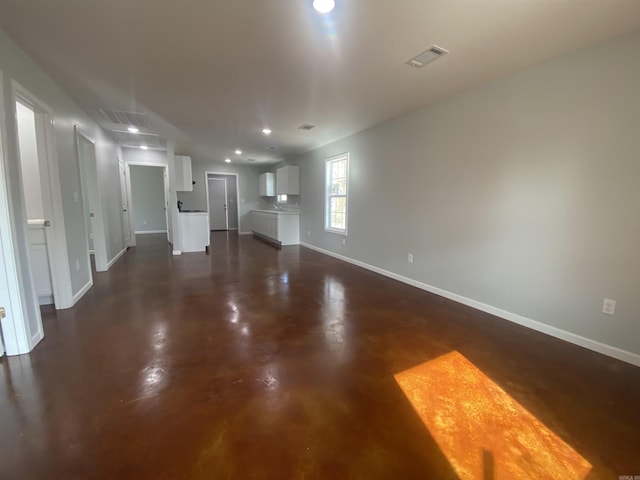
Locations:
column 27, row 144
column 247, row 184
column 17, row 66
column 521, row 194
column 147, row 190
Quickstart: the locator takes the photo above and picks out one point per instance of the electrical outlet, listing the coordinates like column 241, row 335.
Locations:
column 609, row 306
column 410, row 257
column 76, row 197
column 308, row 233
column 77, row 265
column 144, row 222
column 344, row 241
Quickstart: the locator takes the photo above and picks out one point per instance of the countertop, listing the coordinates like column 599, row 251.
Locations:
column 279, row 212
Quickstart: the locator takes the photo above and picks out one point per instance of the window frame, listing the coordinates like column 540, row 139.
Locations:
column 328, row 196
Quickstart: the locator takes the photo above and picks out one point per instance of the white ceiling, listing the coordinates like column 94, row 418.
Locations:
column 211, row 74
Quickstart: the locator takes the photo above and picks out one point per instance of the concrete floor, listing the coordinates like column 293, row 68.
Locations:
column 280, row 364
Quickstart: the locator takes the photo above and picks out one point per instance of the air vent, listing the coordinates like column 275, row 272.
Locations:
column 428, row 56
column 251, row 159
column 272, row 148
column 306, row 126
column 120, row 117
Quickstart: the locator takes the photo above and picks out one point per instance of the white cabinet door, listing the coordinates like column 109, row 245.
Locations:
column 184, row 179
column 267, row 184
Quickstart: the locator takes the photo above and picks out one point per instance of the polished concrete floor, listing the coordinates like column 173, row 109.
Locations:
column 257, row 363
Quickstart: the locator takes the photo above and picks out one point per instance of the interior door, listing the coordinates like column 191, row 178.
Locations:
column 126, row 224
column 218, row 204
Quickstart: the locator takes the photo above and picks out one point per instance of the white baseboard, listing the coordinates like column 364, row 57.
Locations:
column 615, row 352
column 147, row 232
column 81, row 293
column 116, row 258
column 245, row 233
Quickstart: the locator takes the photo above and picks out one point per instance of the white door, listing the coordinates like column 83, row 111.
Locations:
column 124, row 195
column 218, row 204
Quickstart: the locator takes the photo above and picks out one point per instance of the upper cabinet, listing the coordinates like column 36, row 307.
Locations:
column 184, row 179
column 268, row 185
column 288, row 180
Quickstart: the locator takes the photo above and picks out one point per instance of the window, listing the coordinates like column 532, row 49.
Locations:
column 336, row 194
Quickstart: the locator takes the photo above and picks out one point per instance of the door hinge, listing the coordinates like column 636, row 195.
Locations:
column 3, row 313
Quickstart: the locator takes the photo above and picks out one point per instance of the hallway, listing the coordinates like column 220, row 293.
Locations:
column 260, row 363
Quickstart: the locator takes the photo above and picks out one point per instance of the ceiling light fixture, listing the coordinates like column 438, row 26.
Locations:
column 144, row 147
column 266, row 131
column 324, row 6
column 238, row 151
column 133, row 130
column 227, row 160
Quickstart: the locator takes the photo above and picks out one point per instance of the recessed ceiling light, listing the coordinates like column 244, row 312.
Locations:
column 144, row 147
column 228, row 160
column 266, row 131
column 133, row 130
column 238, row 152
column 324, row 6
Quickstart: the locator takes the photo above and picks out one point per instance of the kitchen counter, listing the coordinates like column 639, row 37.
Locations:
column 279, row 212
column 194, row 231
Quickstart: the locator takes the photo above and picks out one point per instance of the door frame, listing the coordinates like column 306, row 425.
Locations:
column 124, row 198
column 14, row 325
column 55, row 233
column 131, row 209
column 206, row 186
column 99, row 237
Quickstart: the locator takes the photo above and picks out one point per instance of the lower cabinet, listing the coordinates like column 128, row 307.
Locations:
column 276, row 227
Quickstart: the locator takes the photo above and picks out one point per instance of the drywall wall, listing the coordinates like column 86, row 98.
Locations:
column 247, row 185
column 16, row 66
column 27, row 145
column 147, row 191
column 521, row 194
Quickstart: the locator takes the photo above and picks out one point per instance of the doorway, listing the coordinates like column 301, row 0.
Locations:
column 222, row 200
column 91, row 202
column 147, row 200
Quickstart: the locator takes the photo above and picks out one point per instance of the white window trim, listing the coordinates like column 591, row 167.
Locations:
column 328, row 229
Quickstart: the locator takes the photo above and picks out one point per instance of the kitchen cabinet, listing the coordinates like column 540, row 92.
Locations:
column 288, row 180
column 267, row 184
column 194, row 231
column 279, row 228
column 184, row 179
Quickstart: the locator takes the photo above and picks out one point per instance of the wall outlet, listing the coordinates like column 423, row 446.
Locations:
column 410, row 257
column 77, row 265
column 76, row 197
column 609, row 306
column 344, row 241
column 144, row 222
column 308, row 233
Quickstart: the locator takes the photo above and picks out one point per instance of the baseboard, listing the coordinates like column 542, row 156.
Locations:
column 177, row 252
column 116, row 258
column 147, row 232
column 245, row 233
column 615, row 352
column 82, row 292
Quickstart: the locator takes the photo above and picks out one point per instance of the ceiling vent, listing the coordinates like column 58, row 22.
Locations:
column 429, row 56
column 271, row 148
column 306, row 126
column 251, row 159
column 119, row 117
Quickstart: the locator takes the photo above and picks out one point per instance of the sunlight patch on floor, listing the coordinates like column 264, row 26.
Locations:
column 482, row 431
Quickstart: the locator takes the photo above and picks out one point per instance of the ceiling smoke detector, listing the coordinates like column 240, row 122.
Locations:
column 306, row 126
column 427, row 56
